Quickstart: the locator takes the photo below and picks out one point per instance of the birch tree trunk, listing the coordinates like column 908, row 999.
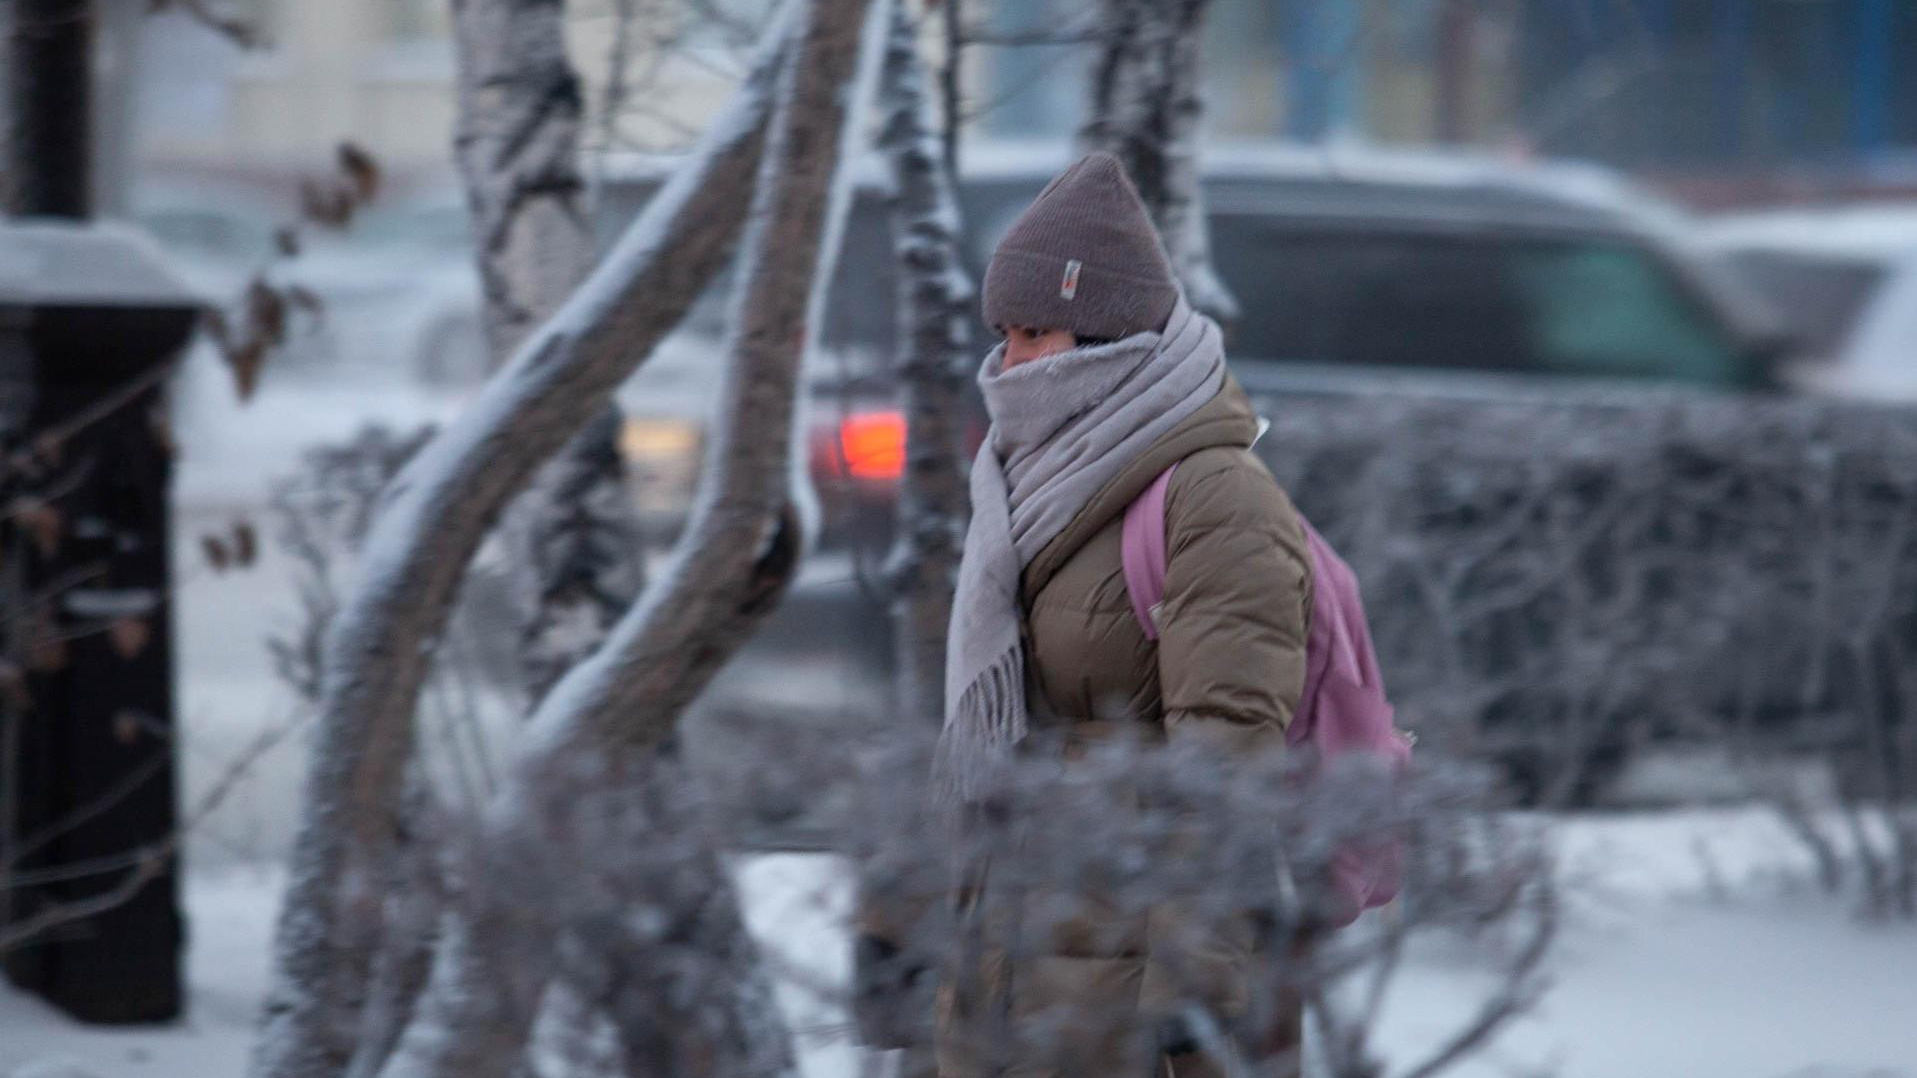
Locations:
column 518, row 147
column 622, row 705
column 1146, row 107
column 431, row 521
column 935, row 303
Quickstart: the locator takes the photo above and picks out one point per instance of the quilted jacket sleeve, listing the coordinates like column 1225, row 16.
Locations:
column 1232, row 628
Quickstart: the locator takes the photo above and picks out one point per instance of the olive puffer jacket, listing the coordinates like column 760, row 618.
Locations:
column 1228, row 669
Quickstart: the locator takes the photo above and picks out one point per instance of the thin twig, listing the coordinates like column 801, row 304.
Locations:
column 1021, row 39
column 146, row 869
column 100, row 409
column 119, row 792
column 146, row 862
column 1517, row 995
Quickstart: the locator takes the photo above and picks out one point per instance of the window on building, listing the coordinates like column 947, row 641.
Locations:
column 420, row 20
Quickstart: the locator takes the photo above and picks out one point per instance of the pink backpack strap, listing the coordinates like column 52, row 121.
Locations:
column 1143, row 552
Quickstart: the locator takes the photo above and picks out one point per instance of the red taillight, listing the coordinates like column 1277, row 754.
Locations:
column 873, row 445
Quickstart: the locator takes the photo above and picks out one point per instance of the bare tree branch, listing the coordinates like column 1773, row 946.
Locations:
column 429, row 526
column 142, row 865
column 1516, row 996
column 739, row 551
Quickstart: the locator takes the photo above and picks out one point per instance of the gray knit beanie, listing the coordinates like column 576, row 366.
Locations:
column 1083, row 257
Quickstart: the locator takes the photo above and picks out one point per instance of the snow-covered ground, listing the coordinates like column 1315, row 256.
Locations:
column 1693, row 948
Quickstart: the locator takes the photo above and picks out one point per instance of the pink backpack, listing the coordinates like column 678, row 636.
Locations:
column 1343, row 708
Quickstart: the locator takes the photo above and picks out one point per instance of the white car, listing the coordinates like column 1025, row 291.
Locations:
column 399, row 293
column 1845, row 278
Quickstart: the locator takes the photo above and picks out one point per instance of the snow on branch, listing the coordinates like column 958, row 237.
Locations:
column 608, row 714
column 429, row 525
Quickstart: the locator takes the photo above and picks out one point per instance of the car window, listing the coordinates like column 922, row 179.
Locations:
column 1822, row 297
column 1477, row 302
column 1610, row 308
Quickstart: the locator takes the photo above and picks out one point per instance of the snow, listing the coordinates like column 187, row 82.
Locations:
column 1693, row 945
column 1693, row 948
column 230, row 922
column 231, row 452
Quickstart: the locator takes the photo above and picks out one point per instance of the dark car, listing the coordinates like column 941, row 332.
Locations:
column 1368, row 262
column 1462, row 275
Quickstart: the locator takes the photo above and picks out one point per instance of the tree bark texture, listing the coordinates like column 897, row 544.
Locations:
column 935, row 304
column 1146, row 107
column 431, row 521
column 518, row 145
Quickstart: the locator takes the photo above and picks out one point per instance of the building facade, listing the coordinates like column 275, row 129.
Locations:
column 1654, row 85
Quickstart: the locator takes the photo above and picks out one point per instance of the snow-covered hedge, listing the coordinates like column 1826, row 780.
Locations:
column 1554, row 579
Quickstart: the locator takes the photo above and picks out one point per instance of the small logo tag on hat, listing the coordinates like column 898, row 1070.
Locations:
column 1068, row 288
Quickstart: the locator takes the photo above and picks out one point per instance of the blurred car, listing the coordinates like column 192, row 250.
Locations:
column 1470, row 274
column 1348, row 264
column 1845, row 277
column 395, row 339
column 1369, row 263
column 1352, row 267
column 1451, row 274
column 399, row 297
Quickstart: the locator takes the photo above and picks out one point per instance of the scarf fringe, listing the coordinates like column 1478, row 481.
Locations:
column 990, row 718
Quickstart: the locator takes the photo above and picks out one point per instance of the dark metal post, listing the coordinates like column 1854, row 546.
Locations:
column 88, row 746
column 50, row 99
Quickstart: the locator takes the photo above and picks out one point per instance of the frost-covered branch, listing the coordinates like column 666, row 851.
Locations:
column 617, row 709
column 430, row 523
column 1227, row 861
column 1554, row 583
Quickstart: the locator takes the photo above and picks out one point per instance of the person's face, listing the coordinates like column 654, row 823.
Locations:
column 1024, row 344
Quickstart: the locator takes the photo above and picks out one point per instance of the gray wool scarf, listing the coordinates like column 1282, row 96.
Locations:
column 1062, row 428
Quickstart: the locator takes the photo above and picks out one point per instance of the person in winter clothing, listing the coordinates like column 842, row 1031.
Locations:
column 1105, row 378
